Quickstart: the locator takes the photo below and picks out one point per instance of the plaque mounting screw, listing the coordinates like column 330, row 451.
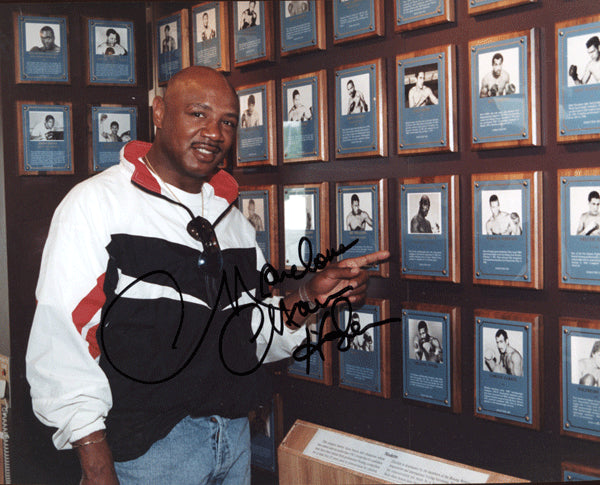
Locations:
column 525, row 184
column 474, row 138
column 526, row 418
column 405, row 394
column 524, row 276
column 562, row 131
column 443, row 187
column 404, row 313
column 479, row 321
column 477, row 273
column 564, row 181
column 524, row 133
column 564, row 278
column 444, row 271
column 561, row 33
column 445, row 401
column 477, row 184
column 566, row 330
column 442, row 141
column 403, row 187
column 404, row 269
column 567, row 425
column 401, row 145
column 479, row 408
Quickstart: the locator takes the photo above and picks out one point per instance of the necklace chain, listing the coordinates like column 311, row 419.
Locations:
column 149, row 165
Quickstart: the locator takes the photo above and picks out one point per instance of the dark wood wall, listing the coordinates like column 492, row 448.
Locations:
column 534, row 455
column 31, row 200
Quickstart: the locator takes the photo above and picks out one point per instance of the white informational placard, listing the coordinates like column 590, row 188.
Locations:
column 385, row 463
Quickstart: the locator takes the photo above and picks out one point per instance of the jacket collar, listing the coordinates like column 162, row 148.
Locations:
column 224, row 185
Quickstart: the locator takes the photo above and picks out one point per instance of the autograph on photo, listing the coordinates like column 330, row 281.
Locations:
column 276, row 316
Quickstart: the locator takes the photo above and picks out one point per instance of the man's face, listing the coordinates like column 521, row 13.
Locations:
column 198, row 121
column 251, row 209
column 296, row 100
column 422, row 333
column 250, row 107
column 594, row 206
column 594, row 52
column 420, row 79
column 497, row 67
column 495, row 207
column 205, row 20
column 47, row 38
column 501, row 343
column 251, row 6
column 49, row 124
column 114, row 129
column 351, row 89
column 424, row 208
column 111, row 39
column 355, row 207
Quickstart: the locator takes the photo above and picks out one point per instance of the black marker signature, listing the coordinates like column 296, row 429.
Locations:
column 281, row 314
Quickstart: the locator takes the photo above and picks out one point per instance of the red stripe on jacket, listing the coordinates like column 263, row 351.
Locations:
column 85, row 311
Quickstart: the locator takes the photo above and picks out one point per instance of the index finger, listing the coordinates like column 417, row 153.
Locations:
column 365, row 259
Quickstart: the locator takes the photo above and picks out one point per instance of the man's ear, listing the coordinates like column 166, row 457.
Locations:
column 158, row 111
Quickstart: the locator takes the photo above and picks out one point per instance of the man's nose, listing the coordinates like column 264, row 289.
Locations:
column 212, row 129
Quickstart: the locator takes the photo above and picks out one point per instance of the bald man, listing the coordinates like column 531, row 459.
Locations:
column 150, row 372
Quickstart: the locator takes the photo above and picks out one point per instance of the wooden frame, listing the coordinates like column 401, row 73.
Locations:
column 507, row 246
column 28, row 57
column 498, row 382
column 372, row 236
column 254, row 42
column 370, row 13
column 361, row 119
column 305, row 139
column 173, row 51
column 577, row 236
column 118, row 58
column 380, row 309
column 266, row 433
column 409, row 15
column 577, row 99
column 294, row 17
column 574, row 472
column 318, row 235
column 578, row 345
column 269, row 243
column 43, row 133
column 111, row 148
column 318, row 369
column 211, row 47
column 256, row 133
column 505, row 109
column 434, row 257
column 446, row 321
column 426, row 117
column 477, row 7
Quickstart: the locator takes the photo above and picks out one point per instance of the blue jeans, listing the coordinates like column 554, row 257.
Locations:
column 207, row 450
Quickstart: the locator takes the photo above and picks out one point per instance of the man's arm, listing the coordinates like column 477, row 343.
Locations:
column 367, row 218
column 95, row 457
column 432, row 97
column 516, row 364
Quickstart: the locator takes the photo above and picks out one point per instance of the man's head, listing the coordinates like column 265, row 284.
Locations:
column 251, row 103
column 593, row 48
column 595, row 353
column 112, row 37
column 251, row 5
column 422, row 329
column 47, row 37
column 594, row 202
column 502, row 340
column 424, row 205
column 514, row 217
column 355, row 318
column 49, row 122
column 114, row 127
column 251, row 207
column 167, row 30
column 350, row 87
column 355, row 202
column 196, row 124
column 497, row 62
column 494, row 205
column 296, row 98
column 205, row 19
column 420, row 79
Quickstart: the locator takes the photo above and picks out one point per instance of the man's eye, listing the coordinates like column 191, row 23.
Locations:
column 198, row 114
column 233, row 124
